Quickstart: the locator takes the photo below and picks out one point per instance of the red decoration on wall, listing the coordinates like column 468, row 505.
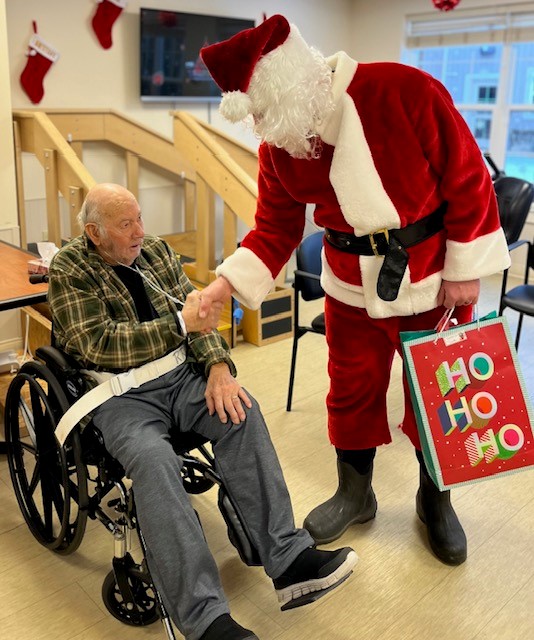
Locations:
column 445, row 5
column 104, row 18
column 41, row 56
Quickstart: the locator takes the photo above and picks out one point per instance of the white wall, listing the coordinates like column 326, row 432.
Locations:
column 9, row 320
column 8, row 211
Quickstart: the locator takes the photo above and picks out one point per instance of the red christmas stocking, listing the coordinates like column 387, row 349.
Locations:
column 104, row 19
column 41, row 56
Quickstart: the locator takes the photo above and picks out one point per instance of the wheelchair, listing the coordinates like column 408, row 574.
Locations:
column 59, row 487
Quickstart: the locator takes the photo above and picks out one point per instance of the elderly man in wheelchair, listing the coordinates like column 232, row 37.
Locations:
column 156, row 381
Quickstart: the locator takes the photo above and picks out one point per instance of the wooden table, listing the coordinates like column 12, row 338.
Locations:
column 15, row 287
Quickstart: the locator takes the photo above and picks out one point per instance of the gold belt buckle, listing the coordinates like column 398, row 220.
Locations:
column 372, row 240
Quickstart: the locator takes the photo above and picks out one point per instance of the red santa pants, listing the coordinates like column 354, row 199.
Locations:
column 361, row 351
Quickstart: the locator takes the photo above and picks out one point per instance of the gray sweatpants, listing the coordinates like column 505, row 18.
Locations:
column 135, row 427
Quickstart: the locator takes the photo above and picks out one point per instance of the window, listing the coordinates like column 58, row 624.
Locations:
column 487, row 94
column 487, row 64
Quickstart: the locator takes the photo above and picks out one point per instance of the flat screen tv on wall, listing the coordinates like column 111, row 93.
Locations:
column 170, row 65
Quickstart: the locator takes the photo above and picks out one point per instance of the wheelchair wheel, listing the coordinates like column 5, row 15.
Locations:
column 143, row 611
column 50, row 482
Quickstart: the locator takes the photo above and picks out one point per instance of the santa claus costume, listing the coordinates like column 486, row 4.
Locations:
column 402, row 191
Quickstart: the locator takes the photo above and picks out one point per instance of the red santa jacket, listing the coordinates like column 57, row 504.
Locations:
column 393, row 150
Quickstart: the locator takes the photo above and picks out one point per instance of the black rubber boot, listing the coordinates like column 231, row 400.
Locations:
column 353, row 503
column 445, row 533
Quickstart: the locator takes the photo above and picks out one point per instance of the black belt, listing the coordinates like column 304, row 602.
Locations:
column 392, row 244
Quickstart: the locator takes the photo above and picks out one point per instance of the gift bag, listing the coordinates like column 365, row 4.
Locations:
column 473, row 413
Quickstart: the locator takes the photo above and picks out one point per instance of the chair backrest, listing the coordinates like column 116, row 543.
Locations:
column 514, row 197
column 308, row 257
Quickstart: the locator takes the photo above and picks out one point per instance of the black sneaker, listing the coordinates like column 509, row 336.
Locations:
column 312, row 575
column 226, row 628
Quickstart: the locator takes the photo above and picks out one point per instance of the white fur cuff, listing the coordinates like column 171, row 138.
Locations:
column 249, row 276
column 472, row 260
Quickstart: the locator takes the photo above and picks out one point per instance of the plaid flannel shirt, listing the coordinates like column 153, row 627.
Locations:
column 95, row 319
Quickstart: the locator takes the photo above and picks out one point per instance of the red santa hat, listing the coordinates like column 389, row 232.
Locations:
column 232, row 62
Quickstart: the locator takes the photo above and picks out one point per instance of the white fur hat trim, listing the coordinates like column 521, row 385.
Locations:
column 235, row 106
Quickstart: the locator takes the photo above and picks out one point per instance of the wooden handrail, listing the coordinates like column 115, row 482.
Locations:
column 37, row 132
column 245, row 157
column 90, row 125
column 216, row 166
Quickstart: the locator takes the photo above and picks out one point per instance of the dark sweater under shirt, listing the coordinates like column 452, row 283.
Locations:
column 133, row 281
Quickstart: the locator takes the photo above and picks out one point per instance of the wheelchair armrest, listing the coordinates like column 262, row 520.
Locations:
column 66, row 369
column 57, row 360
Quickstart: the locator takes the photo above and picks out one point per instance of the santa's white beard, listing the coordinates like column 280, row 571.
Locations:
column 291, row 94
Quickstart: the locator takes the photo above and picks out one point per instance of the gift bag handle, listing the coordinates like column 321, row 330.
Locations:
column 444, row 321
column 447, row 317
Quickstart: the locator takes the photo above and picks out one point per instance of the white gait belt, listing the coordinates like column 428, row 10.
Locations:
column 115, row 385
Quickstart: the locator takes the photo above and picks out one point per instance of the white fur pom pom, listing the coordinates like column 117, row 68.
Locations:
column 235, row 106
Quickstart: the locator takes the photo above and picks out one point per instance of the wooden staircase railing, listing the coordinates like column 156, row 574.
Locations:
column 218, row 176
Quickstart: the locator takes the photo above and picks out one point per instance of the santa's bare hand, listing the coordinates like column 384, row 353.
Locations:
column 217, row 292
column 192, row 319
column 458, row 294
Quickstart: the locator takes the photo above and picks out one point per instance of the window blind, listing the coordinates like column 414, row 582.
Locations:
column 512, row 23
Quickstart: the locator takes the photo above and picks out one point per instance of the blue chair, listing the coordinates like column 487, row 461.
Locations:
column 307, row 286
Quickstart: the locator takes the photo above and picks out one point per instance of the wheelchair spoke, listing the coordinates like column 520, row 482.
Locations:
column 47, row 510
column 30, row 448
column 36, row 477
column 51, row 482
column 46, row 486
column 27, row 418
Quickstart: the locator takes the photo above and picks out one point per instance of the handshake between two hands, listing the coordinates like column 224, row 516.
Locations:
column 202, row 309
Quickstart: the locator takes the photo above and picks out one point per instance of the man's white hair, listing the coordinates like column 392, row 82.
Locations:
column 290, row 92
column 89, row 213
